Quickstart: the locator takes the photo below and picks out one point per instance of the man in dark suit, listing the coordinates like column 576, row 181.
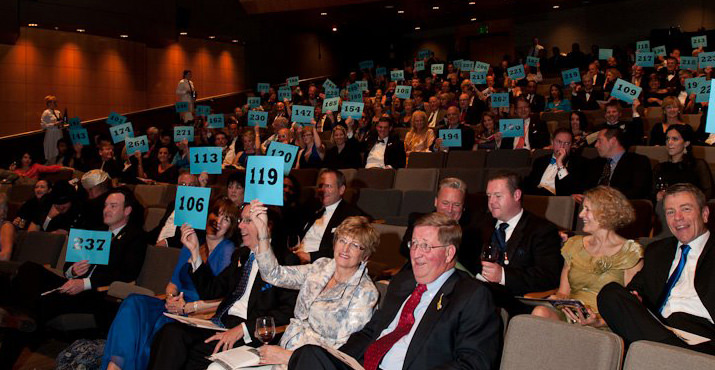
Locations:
column 452, row 123
column 470, row 115
column 670, row 76
column 521, row 251
column 632, row 131
column 558, row 173
column 78, row 291
column 675, row 286
column 536, row 101
column 595, row 77
column 317, row 235
column 383, row 148
column 247, row 297
column 435, row 113
column 455, row 318
column 537, row 134
column 630, row 173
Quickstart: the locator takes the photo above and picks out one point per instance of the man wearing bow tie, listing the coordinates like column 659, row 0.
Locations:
column 384, row 149
column 557, row 173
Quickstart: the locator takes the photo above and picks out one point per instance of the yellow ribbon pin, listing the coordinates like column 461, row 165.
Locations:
column 439, row 303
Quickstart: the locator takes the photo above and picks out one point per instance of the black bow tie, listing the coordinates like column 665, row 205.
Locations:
column 381, row 141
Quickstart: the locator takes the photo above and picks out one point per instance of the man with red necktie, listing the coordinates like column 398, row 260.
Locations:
column 433, row 315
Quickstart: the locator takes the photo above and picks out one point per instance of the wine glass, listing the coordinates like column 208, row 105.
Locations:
column 265, row 329
column 490, row 253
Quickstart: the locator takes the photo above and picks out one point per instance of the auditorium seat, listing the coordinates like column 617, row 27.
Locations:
column 466, row 159
column 538, row 153
column 38, row 246
column 536, row 343
column 349, row 174
column 658, row 356
column 693, row 120
column 426, row 160
column 54, row 177
column 150, row 195
column 387, row 255
column 412, row 201
column 374, row 178
column 474, row 178
column 657, row 153
column 152, row 217
column 643, row 224
column 380, row 203
column 159, row 263
column 416, row 179
column 306, row 176
column 20, row 193
column 509, row 158
column 558, row 209
column 401, row 132
column 706, row 153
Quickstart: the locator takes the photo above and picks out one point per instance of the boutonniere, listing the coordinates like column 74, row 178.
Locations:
column 439, row 303
column 266, row 287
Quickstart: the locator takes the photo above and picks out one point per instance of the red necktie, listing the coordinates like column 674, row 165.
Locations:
column 377, row 350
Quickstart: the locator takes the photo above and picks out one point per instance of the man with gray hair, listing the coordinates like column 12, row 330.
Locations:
column 278, row 124
column 449, row 201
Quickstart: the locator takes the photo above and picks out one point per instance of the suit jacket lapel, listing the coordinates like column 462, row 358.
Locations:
column 513, row 243
column 430, row 319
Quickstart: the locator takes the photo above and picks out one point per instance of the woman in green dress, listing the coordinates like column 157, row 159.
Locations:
column 596, row 259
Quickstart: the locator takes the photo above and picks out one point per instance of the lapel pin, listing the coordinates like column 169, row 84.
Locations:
column 439, row 303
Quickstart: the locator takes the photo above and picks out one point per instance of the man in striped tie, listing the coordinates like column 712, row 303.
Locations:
column 675, row 286
column 433, row 315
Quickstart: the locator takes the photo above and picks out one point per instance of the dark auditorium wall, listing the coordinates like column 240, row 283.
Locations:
column 93, row 75
column 613, row 23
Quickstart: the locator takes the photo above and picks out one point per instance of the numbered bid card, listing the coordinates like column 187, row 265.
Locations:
column 264, row 179
column 481, row 66
column 254, row 101
column 398, row 75
column 138, row 144
column 285, row 93
column 604, row 54
column 203, row 110
column 451, row 138
column 467, row 65
column 362, row 84
column 120, row 132
column 424, row 53
column 205, row 159
column 706, row 59
column 116, row 119
column 381, row 71
column 328, row 83
column 366, row 64
column 571, row 75
column 192, row 206
column 511, row 127
column 516, row 72
column 215, row 121
column 79, row 135
column 90, row 245
column 75, row 122
column 182, row 106
column 689, row 63
column 710, row 120
column 478, row 78
column 331, row 92
column 437, row 69
column 263, row 87
column 183, row 132
column 403, row 92
column 703, row 92
column 643, row 46
column 532, row 61
column 292, row 81
column 698, row 41
column 256, row 117
column 331, row 104
column 660, row 51
column 355, row 95
column 285, row 151
column 500, row 100
column 303, row 113
column 691, row 84
column 626, row 91
column 457, row 64
column 352, row 109
column 645, row 59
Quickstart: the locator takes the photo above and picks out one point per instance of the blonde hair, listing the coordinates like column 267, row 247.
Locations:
column 412, row 121
column 359, row 227
column 671, row 100
column 610, row 207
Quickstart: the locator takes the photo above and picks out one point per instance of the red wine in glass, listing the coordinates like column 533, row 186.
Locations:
column 490, row 253
column 265, row 329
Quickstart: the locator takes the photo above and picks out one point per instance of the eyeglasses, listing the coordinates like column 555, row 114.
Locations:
column 352, row 244
column 424, row 247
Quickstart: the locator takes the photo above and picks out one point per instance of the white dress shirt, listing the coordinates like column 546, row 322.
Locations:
column 376, row 157
column 509, row 230
column 684, row 298
column 527, row 122
column 548, row 179
column 395, row 357
column 314, row 235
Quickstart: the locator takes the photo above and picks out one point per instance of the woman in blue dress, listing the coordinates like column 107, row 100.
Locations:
column 140, row 316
